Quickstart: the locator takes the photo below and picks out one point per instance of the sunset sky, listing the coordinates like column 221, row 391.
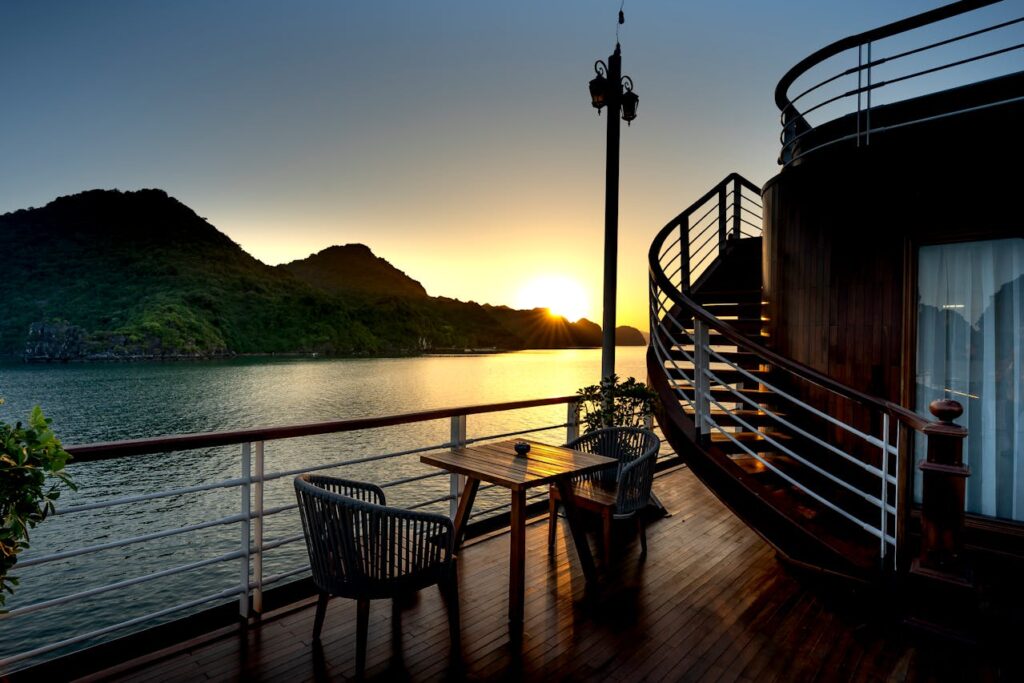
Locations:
column 456, row 139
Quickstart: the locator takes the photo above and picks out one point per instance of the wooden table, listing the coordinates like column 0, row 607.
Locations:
column 543, row 465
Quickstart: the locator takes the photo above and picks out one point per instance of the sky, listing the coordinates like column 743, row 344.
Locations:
column 454, row 138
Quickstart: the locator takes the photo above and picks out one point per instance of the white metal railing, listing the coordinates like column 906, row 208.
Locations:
column 252, row 512
column 729, row 211
column 947, row 47
column 841, row 449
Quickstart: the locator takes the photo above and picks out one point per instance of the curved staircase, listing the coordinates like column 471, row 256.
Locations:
column 811, row 465
column 822, row 471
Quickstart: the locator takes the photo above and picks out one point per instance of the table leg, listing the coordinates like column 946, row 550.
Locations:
column 579, row 538
column 465, row 506
column 517, row 564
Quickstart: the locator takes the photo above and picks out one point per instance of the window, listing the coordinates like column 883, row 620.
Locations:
column 970, row 347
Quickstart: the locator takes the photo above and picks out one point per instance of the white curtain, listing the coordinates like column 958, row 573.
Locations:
column 970, row 347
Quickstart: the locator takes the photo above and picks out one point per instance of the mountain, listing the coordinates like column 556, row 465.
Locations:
column 106, row 274
column 629, row 336
column 353, row 269
column 142, row 274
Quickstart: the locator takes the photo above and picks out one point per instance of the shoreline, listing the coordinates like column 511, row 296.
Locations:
column 21, row 359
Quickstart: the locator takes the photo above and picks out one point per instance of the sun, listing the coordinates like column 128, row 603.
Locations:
column 561, row 295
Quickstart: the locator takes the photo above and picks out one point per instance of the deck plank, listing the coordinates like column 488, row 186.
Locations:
column 709, row 602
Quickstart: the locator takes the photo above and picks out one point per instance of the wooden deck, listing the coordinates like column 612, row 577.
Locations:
column 710, row 602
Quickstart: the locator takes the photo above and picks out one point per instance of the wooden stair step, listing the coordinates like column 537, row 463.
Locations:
column 751, row 464
column 743, row 309
column 721, row 394
column 724, row 395
column 754, row 442
column 745, row 359
column 726, row 295
column 751, row 417
column 721, row 376
column 745, row 325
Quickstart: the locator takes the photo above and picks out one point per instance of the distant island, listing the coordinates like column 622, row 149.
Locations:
column 111, row 275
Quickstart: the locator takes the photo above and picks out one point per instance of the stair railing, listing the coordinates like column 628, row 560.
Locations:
column 851, row 448
column 731, row 210
column 992, row 46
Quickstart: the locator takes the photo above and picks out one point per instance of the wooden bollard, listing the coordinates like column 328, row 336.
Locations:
column 943, row 490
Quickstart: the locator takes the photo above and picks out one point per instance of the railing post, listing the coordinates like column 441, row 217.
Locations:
column 243, row 600
column 722, row 223
column 455, row 481
column 257, row 530
column 736, row 192
column 884, row 497
column 943, row 486
column 867, row 115
column 905, row 437
column 788, row 135
column 860, row 81
column 684, row 254
column 572, row 421
column 700, row 376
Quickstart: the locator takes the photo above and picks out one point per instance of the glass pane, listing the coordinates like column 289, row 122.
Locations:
column 970, row 347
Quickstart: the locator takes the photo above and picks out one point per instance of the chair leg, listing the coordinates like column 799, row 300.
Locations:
column 607, row 519
column 642, row 530
column 450, row 594
column 552, row 519
column 362, row 626
column 321, row 612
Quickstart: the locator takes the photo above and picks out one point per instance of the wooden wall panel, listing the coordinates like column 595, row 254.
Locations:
column 842, row 226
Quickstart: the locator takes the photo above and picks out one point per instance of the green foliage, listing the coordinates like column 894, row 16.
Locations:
column 616, row 404
column 31, row 473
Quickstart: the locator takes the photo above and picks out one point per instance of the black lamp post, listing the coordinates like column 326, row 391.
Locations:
column 613, row 90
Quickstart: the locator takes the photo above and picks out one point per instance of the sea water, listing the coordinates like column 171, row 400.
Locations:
column 109, row 402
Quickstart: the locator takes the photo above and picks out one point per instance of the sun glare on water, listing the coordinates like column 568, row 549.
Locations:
column 561, row 295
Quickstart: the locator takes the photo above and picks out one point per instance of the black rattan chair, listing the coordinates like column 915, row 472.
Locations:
column 361, row 549
column 615, row 492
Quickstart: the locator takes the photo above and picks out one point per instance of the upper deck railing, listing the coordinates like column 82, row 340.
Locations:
column 193, row 525
column 930, row 52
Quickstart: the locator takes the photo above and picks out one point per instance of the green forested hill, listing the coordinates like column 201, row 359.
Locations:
column 140, row 270
column 353, row 269
column 116, row 274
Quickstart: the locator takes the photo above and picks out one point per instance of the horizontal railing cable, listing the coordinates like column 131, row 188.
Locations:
column 127, row 583
column 519, row 432
column 85, row 507
column 67, row 554
column 67, row 642
column 354, row 461
column 278, row 542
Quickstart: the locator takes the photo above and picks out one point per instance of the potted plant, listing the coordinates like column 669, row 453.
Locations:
column 32, row 473
column 616, row 404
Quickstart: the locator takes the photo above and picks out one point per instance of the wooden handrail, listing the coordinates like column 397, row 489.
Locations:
column 165, row 444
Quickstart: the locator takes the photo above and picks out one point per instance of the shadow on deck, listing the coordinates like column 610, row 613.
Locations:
column 710, row 602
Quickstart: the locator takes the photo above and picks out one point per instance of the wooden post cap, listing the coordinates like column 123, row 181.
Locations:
column 946, row 409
